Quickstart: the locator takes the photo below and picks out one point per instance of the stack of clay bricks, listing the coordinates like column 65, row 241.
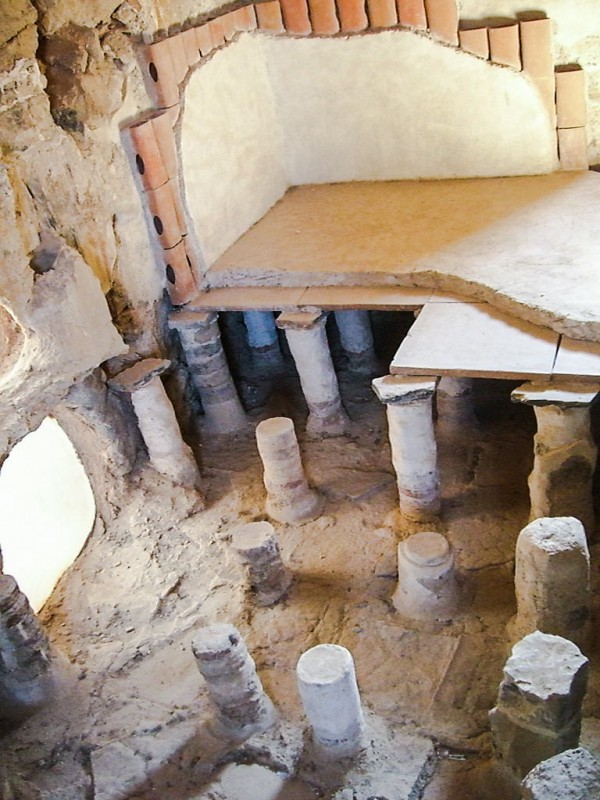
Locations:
column 527, row 45
column 570, row 117
column 157, row 164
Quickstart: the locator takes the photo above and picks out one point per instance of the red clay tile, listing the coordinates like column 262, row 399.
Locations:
column 245, row 18
column 204, row 39
column 162, row 203
column 179, row 276
column 475, row 41
column 178, row 56
column 572, row 148
column 229, row 28
column 161, row 72
column 165, row 137
column 505, row 45
column 411, row 14
column 353, row 16
column 149, row 161
column 323, row 17
column 546, row 88
column 382, row 13
column 217, row 30
column 570, row 97
column 269, row 16
column 190, row 45
column 536, row 47
column 442, row 19
column 295, row 17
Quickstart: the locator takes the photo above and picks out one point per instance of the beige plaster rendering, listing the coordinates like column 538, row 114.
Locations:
column 524, row 244
column 480, row 120
column 231, row 146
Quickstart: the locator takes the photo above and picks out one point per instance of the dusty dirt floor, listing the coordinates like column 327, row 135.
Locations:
column 131, row 718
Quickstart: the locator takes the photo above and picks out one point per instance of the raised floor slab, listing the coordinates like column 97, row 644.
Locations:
column 527, row 245
column 475, row 340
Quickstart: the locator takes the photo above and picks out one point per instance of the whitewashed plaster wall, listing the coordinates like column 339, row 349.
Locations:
column 267, row 113
column 232, row 146
column 395, row 105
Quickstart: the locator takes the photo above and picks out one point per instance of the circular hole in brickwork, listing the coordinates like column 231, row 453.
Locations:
column 170, row 273
column 158, row 225
column 139, row 161
column 153, row 71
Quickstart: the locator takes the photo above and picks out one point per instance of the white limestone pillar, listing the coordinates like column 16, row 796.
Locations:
column 454, row 401
column 427, row 588
column 201, row 342
column 329, row 693
column 356, row 337
column 408, row 403
column 167, row 451
column 307, row 340
column 560, row 484
column 223, row 660
column 257, row 545
column 289, row 497
column 538, row 710
column 26, row 682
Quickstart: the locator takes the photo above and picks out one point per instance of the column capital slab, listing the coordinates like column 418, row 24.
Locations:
column 191, row 319
column 300, row 320
column 139, row 374
column 562, row 394
column 402, row 390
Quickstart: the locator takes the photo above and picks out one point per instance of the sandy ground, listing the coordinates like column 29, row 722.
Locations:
column 131, row 718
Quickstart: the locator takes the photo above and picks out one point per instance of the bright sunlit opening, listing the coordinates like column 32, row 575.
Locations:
column 47, row 510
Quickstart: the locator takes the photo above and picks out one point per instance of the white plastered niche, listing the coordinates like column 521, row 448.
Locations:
column 268, row 113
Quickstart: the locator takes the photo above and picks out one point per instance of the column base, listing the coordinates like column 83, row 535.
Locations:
column 336, row 423
column 298, row 513
column 225, row 417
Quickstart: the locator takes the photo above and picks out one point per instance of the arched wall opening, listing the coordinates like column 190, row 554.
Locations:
column 47, row 510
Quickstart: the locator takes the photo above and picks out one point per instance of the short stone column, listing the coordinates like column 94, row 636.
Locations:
column 223, row 660
column 307, row 340
column 356, row 337
column 454, row 401
column 572, row 775
column 408, row 403
column 25, row 678
column 329, row 693
column 560, row 484
column 427, row 587
column 262, row 338
column 167, row 451
column 289, row 497
column 552, row 579
column 201, row 342
column 538, row 711
column 257, row 545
